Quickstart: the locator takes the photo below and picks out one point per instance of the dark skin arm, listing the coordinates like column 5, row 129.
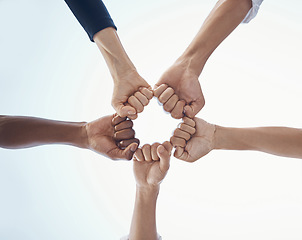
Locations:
column 102, row 135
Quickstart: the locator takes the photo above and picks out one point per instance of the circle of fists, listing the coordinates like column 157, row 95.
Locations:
column 192, row 139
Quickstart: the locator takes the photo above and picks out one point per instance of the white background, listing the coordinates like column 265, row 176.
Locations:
column 49, row 69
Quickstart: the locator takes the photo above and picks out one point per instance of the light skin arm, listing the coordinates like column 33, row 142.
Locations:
column 281, row 141
column 126, row 79
column 183, row 75
column 102, row 135
column 150, row 166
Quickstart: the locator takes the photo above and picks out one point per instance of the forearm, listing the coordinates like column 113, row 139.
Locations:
column 24, row 132
column 143, row 224
column 223, row 19
column 113, row 52
column 280, row 141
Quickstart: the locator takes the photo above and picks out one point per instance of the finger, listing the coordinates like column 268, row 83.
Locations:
column 178, row 110
column 168, row 146
column 139, row 155
column 131, row 116
column 125, row 143
column 192, row 109
column 142, row 98
column 134, row 102
column 154, row 151
column 187, row 128
column 124, row 111
column 123, row 125
column 124, row 134
column 178, row 152
column 117, row 119
column 165, row 96
column 164, row 155
column 147, row 152
column 130, row 150
column 181, row 154
column 181, row 134
column 189, row 121
column 159, row 89
column 171, row 103
column 178, row 142
column 147, row 92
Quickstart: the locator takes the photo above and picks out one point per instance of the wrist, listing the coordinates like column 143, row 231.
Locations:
column 194, row 58
column 115, row 55
column 219, row 137
column 83, row 136
column 148, row 191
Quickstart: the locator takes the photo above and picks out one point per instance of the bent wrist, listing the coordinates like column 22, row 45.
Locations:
column 113, row 52
column 194, row 58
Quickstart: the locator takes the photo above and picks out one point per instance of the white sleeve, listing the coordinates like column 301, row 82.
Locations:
column 253, row 11
column 127, row 237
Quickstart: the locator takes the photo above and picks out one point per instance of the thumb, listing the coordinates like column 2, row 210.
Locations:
column 192, row 109
column 130, row 150
column 124, row 111
column 164, row 156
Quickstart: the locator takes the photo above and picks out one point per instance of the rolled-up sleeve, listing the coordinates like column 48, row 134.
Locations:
column 253, row 11
column 91, row 14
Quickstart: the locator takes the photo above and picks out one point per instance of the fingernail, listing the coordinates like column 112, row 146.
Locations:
column 131, row 112
column 161, row 149
column 133, row 148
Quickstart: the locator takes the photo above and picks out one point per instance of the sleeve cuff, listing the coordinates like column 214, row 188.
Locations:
column 127, row 237
column 253, row 11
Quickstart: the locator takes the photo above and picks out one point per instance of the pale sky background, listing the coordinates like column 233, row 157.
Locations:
column 50, row 69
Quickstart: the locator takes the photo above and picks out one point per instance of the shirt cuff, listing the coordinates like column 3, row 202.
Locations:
column 127, row 237
column 253, row 11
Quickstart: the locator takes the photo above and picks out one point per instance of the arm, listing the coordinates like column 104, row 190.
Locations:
column 95, row 19
column 150, row 166
column 99, row 135
column 183, row 75
column 281, row 141
column 191, row 146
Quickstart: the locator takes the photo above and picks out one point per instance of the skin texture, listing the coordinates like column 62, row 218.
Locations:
column 193, row 139
column 106, row 134
column 102, row 135
column 126, row 79
column 150, row 166
column 183, row 75
column 280, row 141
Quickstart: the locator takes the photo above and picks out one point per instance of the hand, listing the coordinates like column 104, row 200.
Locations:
column 131, row 93
column 106, row 134
column 193, row 139
column 151, row 164
column 186, row 86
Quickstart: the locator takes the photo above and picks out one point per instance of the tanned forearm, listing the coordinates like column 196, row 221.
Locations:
column 143, row 224
column 281, row 141
column 223, row 19
column 24, row 132
column 113, row 52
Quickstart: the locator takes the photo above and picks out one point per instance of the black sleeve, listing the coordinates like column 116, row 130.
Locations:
column 91, row 14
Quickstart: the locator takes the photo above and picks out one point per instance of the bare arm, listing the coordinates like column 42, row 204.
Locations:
column 192, row 145
column 102, row 135
column 150, row 166
column 281, row 141
column 183, row 75
column 24, row 132
column 222, row 20
column 126, row 79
